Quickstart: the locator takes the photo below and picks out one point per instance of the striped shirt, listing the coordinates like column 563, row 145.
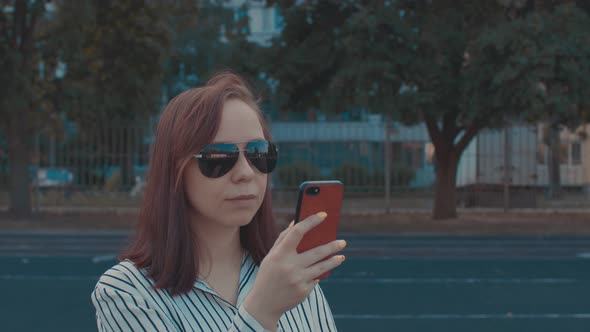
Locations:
column 126, row 301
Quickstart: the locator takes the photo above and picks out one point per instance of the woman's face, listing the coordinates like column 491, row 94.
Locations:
column 213, row 200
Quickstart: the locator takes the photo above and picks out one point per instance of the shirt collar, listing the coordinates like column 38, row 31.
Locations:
column 247, row 275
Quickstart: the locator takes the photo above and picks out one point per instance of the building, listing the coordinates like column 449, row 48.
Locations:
column 264, row 22
column 481, row 176
column 357, row 149
column 483, row 161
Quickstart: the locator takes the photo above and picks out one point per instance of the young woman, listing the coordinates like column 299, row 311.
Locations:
column 207, row 256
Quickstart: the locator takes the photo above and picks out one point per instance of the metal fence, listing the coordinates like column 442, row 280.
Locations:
column 501, row 168
column 509, row 167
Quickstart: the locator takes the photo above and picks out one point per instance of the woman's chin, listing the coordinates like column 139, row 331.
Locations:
column 239, row 218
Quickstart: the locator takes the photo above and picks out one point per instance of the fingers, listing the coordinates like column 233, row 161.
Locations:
column 284, row 233
column 297, row 232
column 317, row 254
column 320, row 268
column 311, row 285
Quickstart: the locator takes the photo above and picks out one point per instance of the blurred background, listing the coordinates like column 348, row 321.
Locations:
column 446, row 118
column 414, row 104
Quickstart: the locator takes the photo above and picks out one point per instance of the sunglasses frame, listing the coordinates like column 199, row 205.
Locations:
column 200, row 155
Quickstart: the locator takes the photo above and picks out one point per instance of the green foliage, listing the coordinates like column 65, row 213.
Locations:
column 401, row 175
column 27, row 66
column 115, row 69
column 352, row 174
column 457, row 65
column 538, row 64
column 308, row 53
column 466, row 63
column 195, row 49
column 212, row 42
column 292, row 174
column 355, row 175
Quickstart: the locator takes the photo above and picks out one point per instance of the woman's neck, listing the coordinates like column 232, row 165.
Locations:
column 218, row 246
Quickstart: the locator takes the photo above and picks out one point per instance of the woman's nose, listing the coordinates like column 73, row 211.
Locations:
column 243, row 169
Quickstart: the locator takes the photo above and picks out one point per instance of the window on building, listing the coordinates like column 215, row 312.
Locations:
column 576, row 153
column 267, row 14
column 279, row 22
column 414, row 152
column 541, row 153
column 563, row 153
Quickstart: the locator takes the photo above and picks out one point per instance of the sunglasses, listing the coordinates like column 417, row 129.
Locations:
column 216, row 160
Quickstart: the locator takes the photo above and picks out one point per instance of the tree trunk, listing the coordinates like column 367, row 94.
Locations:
column 18, row 164
column 553, row 162
column 445, row 204
column 18, row 136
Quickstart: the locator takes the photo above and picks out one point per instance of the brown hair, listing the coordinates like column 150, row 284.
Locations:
column 165, row 242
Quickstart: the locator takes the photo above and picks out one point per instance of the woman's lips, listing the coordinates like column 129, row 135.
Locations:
column 242, row 198
column 242, row 201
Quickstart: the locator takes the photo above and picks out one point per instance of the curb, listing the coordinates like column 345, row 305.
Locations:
column 345, row 211
column 66, row 231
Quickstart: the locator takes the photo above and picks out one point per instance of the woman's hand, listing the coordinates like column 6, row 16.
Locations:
column 285, row 277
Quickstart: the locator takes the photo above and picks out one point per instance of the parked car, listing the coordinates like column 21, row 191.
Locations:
column 52, row 177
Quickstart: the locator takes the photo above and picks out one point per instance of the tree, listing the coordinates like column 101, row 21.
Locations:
column 212, row 42
column 544, row 56
column 565, row 83
column 27, row 73
column 111, row 53
column 419, row 61
column 374, row 51
column 115, row 66
column 135, row 50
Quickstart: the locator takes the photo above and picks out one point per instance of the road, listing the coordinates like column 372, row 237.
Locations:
column 387, row 283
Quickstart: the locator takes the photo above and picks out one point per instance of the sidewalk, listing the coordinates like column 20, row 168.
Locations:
column 410, row 222
column 351, row 211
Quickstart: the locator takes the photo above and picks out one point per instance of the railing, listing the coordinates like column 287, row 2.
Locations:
column 108, row 166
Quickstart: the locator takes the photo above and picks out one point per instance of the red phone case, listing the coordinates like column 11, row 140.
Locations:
column 329, row 200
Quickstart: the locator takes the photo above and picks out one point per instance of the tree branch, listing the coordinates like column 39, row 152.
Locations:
column 432, row 127
column 28, row 33
column 469, row 134
column 27, row 37
column 450, row 128
column 4, row 25
column 19, row 18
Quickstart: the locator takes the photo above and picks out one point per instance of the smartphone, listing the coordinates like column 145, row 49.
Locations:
column 314, row 197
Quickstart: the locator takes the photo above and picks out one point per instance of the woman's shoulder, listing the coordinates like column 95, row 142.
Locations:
column 125, row 277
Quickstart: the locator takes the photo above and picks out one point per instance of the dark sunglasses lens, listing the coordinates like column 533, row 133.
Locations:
column 217, row 160
column 263, row 155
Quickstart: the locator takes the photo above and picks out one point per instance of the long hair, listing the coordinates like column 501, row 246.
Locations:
column 165, row 243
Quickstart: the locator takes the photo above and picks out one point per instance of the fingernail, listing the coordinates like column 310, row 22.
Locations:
column 322, row 215
column 341, row 258
column 342, row 244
